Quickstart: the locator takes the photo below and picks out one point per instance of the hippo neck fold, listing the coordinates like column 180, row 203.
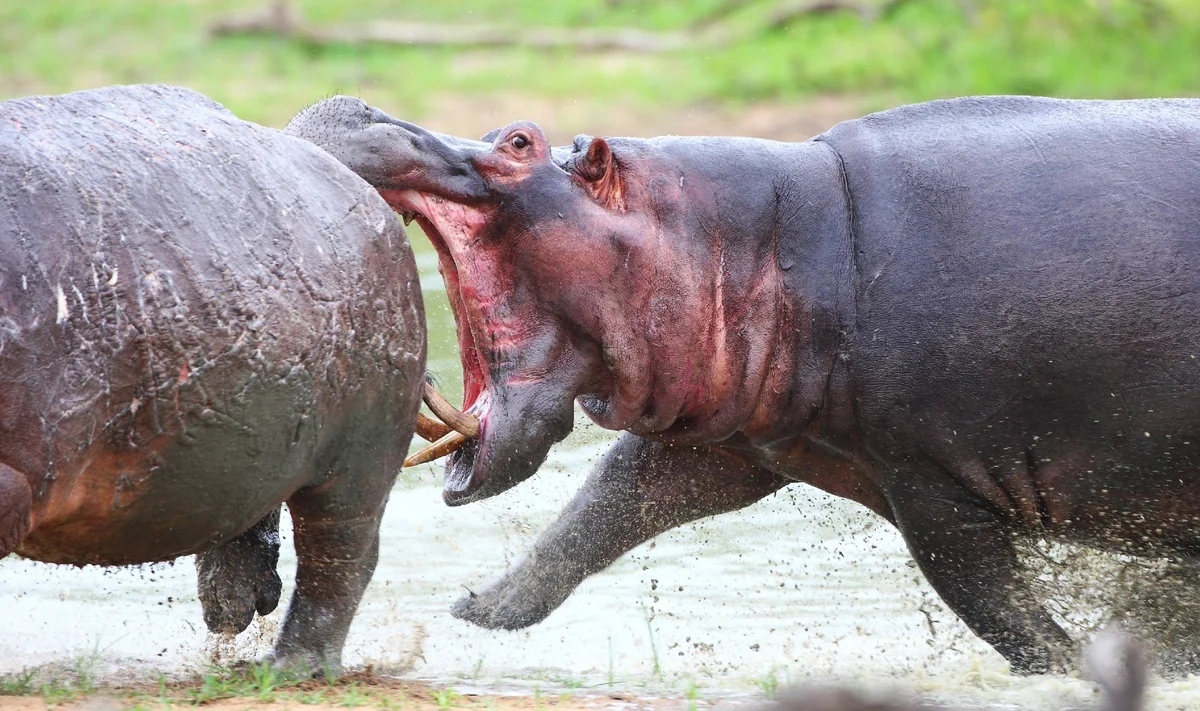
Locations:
column 761, row 284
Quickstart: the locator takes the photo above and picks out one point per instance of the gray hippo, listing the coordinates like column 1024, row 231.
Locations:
column 200, row 318
column 979, row 318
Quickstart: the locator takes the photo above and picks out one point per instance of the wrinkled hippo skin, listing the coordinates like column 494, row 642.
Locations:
column 975, row 317
column 200, row 319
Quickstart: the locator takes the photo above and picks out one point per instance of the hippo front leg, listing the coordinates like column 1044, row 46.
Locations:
column 639, row 490
column 16, row 504
column 239, row 578
column 965, row 550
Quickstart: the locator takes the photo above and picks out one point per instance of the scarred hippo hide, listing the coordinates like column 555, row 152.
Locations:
column 976, row 317
column 200, row 318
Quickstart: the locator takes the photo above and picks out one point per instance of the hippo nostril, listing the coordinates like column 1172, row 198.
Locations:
column 374, row 115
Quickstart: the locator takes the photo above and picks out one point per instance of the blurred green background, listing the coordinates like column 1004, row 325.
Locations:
column 782, row 69
column 729, row 52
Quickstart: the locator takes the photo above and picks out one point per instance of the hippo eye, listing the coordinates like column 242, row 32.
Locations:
column 519, row 141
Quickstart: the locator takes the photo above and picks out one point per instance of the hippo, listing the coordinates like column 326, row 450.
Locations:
column 975, row 317
column 200, row 319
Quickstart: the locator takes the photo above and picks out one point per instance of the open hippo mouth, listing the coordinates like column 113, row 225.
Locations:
column 460, row 436
column 455, row 190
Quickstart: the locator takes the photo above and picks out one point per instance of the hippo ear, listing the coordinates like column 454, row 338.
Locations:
column 490, row 136
column 602, row 175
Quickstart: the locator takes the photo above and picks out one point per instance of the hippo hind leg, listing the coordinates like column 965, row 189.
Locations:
column 16, row 506
column 336, row 533
column 337, row 547
column 1163, row 608
column 966, row 553
column 239, row 578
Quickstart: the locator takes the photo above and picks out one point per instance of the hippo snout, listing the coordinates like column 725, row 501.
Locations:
column 332, row 119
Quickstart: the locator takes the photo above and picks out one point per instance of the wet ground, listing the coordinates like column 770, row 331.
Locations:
column 797, row 588
column 800, row 587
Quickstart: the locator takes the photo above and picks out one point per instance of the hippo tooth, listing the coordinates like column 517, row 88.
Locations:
column 446, row 445
column 408, row 217
column 467, row 425
column 430, row 429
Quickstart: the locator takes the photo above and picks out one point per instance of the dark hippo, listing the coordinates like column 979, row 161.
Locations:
column 200, row 318
column 978, row 318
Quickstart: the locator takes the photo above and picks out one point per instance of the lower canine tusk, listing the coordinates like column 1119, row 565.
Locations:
column 446, row 445
column 458, row 421
column 430, row 429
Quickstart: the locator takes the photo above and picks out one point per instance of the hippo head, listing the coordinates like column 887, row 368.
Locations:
column 565, row 275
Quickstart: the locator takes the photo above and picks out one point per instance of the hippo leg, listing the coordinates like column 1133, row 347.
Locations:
column 337, row 546
column 16, row 505
column 239, row 578
column 1164, row 611
column 1177, row 606
column 638, row 490
column 966, row 553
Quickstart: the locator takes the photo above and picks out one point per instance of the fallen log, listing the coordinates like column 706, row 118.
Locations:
column 282, row 19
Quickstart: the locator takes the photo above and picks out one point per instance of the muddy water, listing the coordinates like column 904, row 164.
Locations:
column 801, row 586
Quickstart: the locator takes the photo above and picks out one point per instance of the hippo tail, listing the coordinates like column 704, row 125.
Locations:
column 1116, row 662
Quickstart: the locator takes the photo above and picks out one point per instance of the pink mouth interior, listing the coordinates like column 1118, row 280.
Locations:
column 473, row 381
column 427, row 215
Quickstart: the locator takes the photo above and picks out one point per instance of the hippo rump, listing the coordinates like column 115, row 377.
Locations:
column 200, row 318
column 977, row 318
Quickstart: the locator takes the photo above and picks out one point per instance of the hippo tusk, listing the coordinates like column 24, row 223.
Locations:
column 430, row 429
column 459, row 421
column 446, row 445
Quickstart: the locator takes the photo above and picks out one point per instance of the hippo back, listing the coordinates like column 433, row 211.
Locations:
column 1027, row 278
column 173, row 279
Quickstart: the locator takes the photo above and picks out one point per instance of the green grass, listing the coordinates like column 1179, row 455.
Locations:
column 769, row 685
column 268, row 684
column 655, row 665
column 692, row 694
column 353, row 696
column 258, row 681
column 22, row 683
column 255, row 684
column 926, row 48
column 446, row 698
column 55, row 684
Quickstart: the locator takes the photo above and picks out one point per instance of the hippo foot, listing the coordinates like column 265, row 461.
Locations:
column 301, row 664
column 520, row 599
column 239, row 578
column 231, row 600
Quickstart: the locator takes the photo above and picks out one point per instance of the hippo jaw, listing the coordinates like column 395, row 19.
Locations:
column 517, row 423
column 451, row 187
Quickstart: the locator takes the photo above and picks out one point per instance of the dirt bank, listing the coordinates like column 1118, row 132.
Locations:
column 354, row 691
